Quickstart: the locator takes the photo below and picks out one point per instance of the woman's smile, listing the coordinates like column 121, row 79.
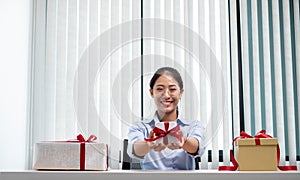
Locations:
column 166, row 103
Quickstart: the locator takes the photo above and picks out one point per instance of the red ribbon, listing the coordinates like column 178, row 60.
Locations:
column 230, row 168
column 260, row 134
column 159, row 133
column 80, row 139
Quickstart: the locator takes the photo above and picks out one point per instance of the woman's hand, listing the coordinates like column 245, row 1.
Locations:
column 177, row 145
column 153, row 145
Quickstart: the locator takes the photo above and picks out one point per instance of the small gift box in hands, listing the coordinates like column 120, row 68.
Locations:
column 166, row 133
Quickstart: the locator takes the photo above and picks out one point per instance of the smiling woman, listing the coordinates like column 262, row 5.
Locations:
column 166, row 89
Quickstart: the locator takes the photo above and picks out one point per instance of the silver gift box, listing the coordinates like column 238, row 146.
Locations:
column 170, row 138
column 66, row 156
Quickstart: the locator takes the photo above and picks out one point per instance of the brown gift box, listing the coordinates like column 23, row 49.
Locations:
column 253, row 157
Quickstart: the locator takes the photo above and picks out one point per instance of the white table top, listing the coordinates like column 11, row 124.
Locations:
column 145, row 175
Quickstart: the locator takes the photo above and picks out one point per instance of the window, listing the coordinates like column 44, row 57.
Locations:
column 93, row 60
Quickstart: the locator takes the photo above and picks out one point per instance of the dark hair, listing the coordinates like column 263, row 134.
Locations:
column 173, row 72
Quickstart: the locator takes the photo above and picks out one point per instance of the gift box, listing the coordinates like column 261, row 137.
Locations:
column 167, row 132
column 70, row 155
column 256, row 154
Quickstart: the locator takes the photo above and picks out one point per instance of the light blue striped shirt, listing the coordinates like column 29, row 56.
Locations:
column 166, row 159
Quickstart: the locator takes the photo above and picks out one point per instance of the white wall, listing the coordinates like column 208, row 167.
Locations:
column 14, row 56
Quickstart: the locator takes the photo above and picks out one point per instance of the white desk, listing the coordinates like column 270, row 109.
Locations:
column 149, row 175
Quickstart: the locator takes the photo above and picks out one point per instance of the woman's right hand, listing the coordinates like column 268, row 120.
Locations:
column 153, row 145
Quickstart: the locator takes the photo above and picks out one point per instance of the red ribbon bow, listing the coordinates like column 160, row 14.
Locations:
column 159, row 133
column 80, row 139
column 260, row 134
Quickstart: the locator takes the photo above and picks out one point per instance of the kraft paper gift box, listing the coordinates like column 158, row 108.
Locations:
column 171, row 129
column 59, row 155
column 257, row 154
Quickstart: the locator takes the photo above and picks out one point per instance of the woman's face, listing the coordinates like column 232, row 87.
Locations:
column 166, row 94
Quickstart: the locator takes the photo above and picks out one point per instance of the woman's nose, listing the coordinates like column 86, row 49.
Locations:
column 167, row 93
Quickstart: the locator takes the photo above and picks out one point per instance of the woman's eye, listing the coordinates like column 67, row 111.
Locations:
column 159, row 89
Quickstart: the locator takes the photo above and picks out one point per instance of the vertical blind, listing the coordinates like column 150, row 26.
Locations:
column 93, row 60
column 269, row 71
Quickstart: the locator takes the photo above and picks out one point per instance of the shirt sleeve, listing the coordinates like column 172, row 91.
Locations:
column 197, row 131
column 136, row 132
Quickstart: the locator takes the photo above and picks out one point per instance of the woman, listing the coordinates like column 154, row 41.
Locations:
column 166, row 89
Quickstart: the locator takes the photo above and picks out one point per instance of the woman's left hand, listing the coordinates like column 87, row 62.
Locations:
column 177, row 145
